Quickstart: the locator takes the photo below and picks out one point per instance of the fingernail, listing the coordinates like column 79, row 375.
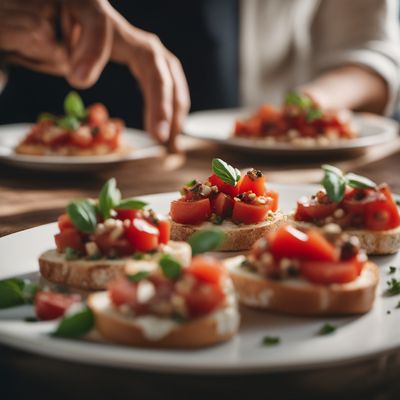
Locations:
column 162, row 130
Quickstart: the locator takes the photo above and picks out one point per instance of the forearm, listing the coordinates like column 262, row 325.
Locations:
column 353, row 87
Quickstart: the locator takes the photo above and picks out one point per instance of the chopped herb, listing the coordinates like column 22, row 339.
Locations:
column 170, row 267
column 271, row 340
column 327, row 329
column 45, row 116
column 109, row 197
column 190, row 183
column 76, row 324
column 83, row 215
column 218, row 220
column 392, row 270
column 393, row 287
column 305, row 104
column 95, row 257
column 138, row 276
column 313, row 113
column 207, row 240
column 71, row 254
column 178, row 318
column 31, row 319
column 398, row 202
column 225, row 172
column 138, row 256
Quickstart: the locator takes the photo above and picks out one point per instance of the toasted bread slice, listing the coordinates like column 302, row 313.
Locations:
column 152, row 331
column 237, row 237
column 95, row 274
column 300, row 297
column 373, row 242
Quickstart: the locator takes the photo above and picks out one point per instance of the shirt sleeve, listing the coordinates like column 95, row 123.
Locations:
column 363, row 32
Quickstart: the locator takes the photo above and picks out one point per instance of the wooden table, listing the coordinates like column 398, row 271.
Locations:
column 29, row 198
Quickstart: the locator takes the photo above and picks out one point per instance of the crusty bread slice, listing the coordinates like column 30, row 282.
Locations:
column 237, row 237
column 300, row 297
column 152, row 331
column 373, row 242
column 95, row 274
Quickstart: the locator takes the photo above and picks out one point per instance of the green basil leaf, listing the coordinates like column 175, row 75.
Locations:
column 68, row 122
column 14, row 292
column 296, row 99
column 73, row 106
column 207, row 240
column 45, row 116
column 225, row 172
column 138, row 276
column 75, row 325
column 109, row 197
column 359, row 182
column 313, row 113
column 71, row 254
column 170, row 267
column 83, row 215
column 334, row 183
column 11, row 293
column 131, row 204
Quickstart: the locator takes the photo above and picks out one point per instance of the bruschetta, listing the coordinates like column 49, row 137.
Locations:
column 305, row 272
column 239, row 205
column 358, row 205
column 300, row 122
column 80, row 132
column 172, row 307
column 97, row 239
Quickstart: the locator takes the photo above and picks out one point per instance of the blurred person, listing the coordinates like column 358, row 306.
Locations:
column 343, row 54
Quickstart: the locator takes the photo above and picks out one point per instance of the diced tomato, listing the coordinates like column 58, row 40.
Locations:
column 164, row 227
column 190, row 212
column 308, row 210
column 248, row 213
column 142, row 235
column 69, row 237
column 96, row 114
column 289, row 242
column 257, row 186
column 122, row 291
column 204, row 298
column 64, row 222
column 109, row 246
column 275, row 199
column 206, row 269
column 223, row 205
column 381, row 215
column 123, row 214
column 332, row 272
column 82, row 137
column 50, row 305
column 225, row 187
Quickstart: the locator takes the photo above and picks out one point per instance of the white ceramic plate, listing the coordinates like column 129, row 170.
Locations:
column 301, row 347
column 140, row 143
column 218, row 125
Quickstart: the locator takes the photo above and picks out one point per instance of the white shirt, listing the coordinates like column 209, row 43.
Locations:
column 286, row 43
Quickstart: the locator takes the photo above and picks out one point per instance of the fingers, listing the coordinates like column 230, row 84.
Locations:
column 181, row 100
column 88, row 31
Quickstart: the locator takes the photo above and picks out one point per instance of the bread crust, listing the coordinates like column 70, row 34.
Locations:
column 299, row 297
column 95, row 274
column 373, row 242
column 236, row 237
column 121, row 329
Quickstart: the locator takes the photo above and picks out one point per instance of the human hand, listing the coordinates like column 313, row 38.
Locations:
column 95, row 33
column 28, row 36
